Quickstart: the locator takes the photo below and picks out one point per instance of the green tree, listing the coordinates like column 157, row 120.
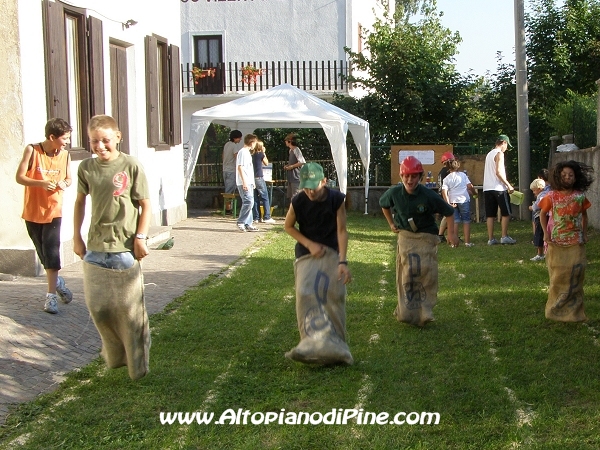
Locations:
column 415, row 93
column 576, row 115
column 563, row 59
column 563, row 48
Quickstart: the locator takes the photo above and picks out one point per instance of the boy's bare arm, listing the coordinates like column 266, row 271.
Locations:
column 342, row 235
column 390, row 220
column 342, row 232
column 140, row 247
column 78, row 215
column 445, row 195
column 22, row 178
column 63, row 184
column 544, row 224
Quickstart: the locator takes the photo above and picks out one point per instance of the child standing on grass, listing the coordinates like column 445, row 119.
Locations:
column 410, row 209
column 45, row 172
column 456, row 189
column 539, row 189
column 321, row 269
column 244, row 178
column 113, row 282
column 261, row 194
column 446, row 160
column 566, row 207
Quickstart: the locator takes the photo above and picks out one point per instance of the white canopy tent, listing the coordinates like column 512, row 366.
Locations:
column 286, row 106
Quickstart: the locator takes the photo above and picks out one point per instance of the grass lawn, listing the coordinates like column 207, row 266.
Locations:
column 498, row 373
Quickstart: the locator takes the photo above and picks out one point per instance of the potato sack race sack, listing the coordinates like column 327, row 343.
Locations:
column 566, row 268
column 416, row 277
column 321, row 311
column 115, row 299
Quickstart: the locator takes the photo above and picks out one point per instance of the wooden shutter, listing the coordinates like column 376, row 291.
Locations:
column 175, row 95
column 152, row 91
column 118, row 92
column 96, row 66
column 57, row 96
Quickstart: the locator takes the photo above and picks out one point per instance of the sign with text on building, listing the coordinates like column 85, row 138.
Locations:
column 429, row 155
column 425, row 156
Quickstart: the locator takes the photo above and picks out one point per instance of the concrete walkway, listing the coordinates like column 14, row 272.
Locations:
column 37, row 349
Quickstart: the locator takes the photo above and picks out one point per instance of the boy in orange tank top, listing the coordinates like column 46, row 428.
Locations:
column 45, row 172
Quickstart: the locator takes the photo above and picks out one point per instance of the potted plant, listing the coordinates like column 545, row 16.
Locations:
column 249, row 74
column 199, row 73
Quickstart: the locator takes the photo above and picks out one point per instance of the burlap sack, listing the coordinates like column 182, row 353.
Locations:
column 321, row 311
column 566, row 268
column 416, row 277
column 115, row 299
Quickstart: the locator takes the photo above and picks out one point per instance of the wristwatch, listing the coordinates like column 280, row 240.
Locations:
column 141, row 236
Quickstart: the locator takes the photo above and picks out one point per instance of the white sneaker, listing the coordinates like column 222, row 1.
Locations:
column 269, row 221
column 507, row 240
column 241, row 227
column 51, row 306
column 63, row 291
column 251, row 228
column 469, row 244
column 538, row 258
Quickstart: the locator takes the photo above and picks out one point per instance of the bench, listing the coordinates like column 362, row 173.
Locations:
column 230, row 198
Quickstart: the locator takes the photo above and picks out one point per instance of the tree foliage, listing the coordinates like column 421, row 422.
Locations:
column 563, row 49
column 415, row 93
column 576, row 115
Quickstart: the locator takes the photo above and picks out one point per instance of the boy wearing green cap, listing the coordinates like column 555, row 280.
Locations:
column 495, row 191
column 320, row 269
column 321, row 217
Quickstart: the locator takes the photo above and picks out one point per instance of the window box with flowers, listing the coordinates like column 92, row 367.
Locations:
column 249, row 74
column 199, row 73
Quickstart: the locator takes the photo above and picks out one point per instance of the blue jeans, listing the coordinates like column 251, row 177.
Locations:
column 462, row 212
column 229, row 181
column 261, row 195
column 120, row 261
column 245, row 216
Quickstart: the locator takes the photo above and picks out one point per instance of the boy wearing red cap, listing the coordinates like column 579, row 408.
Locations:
column 410, row 209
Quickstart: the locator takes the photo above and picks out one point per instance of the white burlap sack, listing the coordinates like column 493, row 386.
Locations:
column 321, row 311
column 566, row 268
column 416, row 277
column 115, row 299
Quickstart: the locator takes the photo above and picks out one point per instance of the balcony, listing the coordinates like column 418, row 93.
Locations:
column 227, row 78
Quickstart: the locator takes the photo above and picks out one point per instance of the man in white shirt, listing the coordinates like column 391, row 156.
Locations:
column 495, row 191
column 244, row 179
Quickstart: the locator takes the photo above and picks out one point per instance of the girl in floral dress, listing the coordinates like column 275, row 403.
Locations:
column 567, row 206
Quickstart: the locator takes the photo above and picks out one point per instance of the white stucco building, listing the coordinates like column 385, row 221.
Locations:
column 76, row 59
column 300, row 42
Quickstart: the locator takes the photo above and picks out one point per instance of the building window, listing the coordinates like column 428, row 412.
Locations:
column 73, row 45
column 208, row 54
column 163, row 98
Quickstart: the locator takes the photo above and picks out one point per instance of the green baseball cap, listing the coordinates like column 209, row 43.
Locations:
column 505, row 138
column 311, row 175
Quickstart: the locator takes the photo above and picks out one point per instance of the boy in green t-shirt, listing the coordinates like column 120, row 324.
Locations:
column 113, row 283
column 410, row 209
column 121, row 211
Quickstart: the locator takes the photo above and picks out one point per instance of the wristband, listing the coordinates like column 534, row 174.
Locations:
column 141, row 236
column 343, row 262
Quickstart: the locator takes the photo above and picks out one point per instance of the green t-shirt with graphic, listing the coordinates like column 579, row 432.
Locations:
column 115, row 188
